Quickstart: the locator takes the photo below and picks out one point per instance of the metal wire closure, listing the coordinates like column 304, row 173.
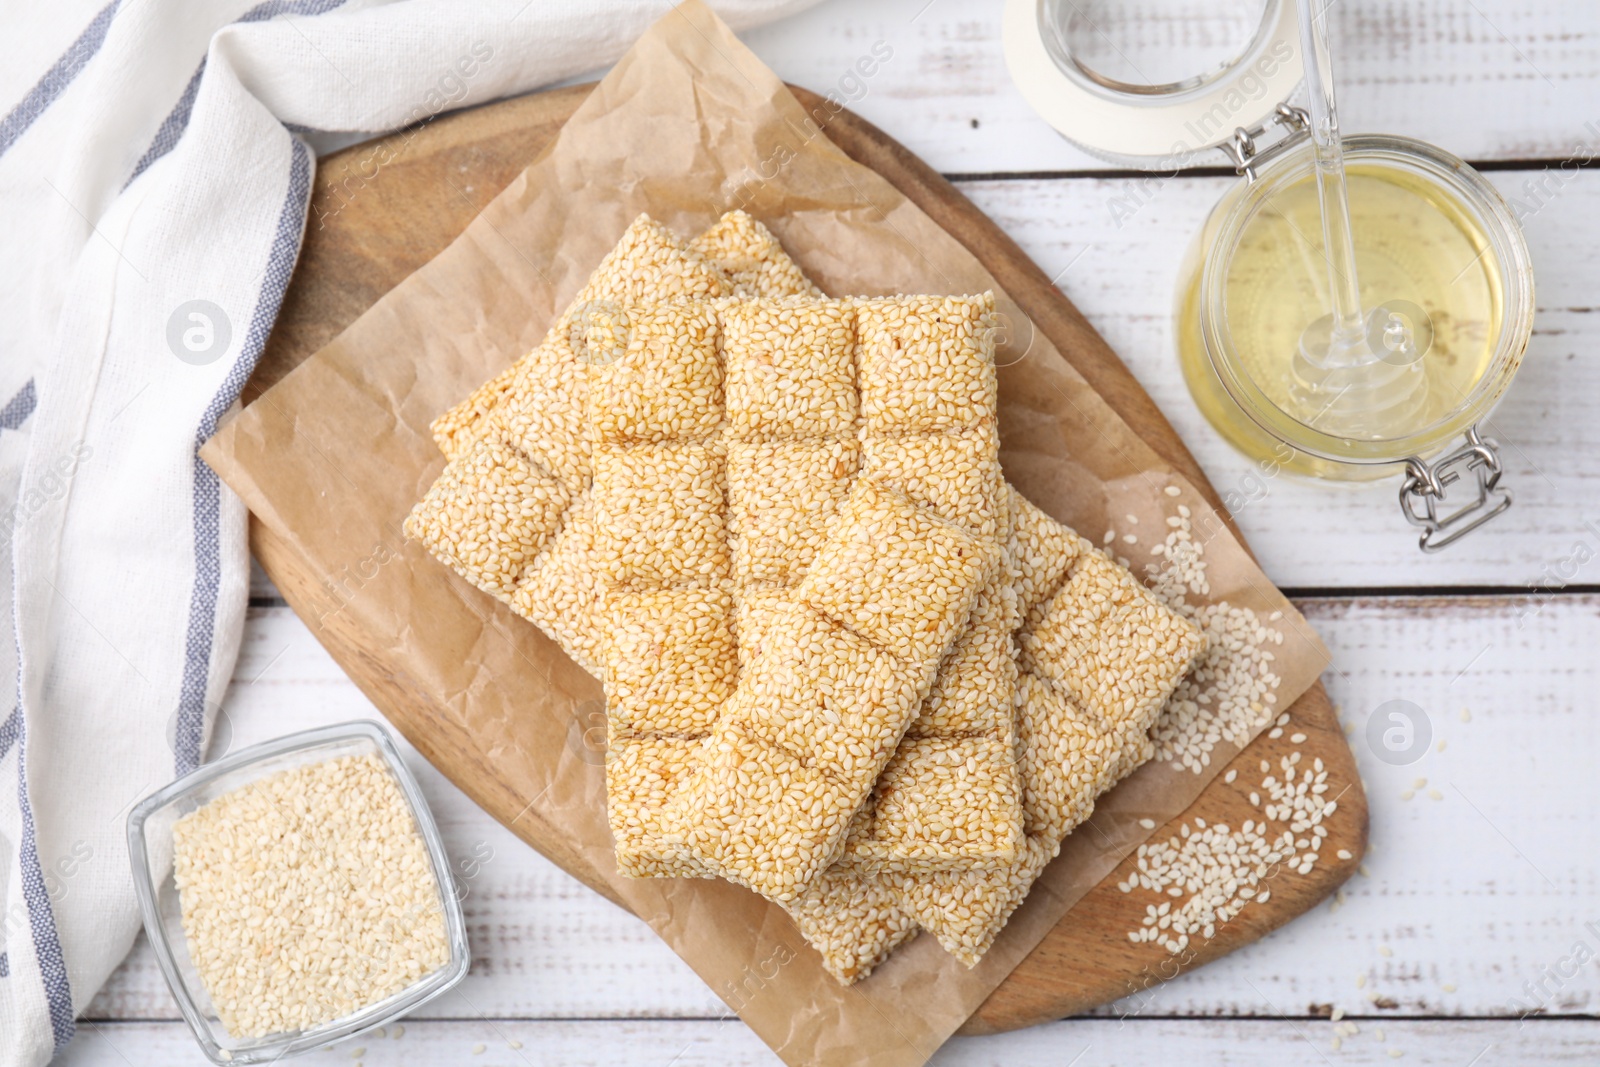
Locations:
column 1245, row 149
column 1426, row 484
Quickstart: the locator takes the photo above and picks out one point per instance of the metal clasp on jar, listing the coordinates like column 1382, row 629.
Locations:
column 1426, row 485
column 1246, row 150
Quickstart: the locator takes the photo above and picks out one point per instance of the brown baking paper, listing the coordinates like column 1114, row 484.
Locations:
column 686, row 126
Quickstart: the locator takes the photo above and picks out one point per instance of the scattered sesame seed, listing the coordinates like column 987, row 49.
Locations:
column 1298, row 739
column 398, row 1032
column 1129, row 539
column 1133, row 520
column 1222, row 869
column 1275, row 733
column 514, row 1045
column 1395, row 1054
column 1419, row 783
column 1361, row 981
column 1343, row 853
column 1111, row 535
column 1385, row 950
column 1230, row 776
column 1449, row 987
column 1148, row 824
column 1283, row 720
column 1434, row 794
column 1335, row 1043
column 1372, row 998
column 1227, row 696
column 1362, row 870
column 1442, row 743
column 1338, row 1013
column 1173, row 490
column 1408, row 794
column 358, row 1053
column 1466, row 715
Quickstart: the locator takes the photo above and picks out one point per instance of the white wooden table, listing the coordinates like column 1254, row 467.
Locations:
column 1476, row 907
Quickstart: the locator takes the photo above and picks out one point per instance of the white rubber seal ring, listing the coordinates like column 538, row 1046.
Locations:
column 1146, row 129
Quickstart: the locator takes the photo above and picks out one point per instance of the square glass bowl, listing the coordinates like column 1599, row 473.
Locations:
column 150, row 849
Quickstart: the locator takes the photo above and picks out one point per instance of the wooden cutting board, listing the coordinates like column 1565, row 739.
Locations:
column 382, row 209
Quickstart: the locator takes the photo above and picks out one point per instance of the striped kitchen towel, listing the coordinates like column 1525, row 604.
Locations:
column 155, row 166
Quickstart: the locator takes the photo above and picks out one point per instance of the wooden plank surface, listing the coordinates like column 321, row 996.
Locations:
column 1456, row 890
column 1078, row 1043
column 1486, row 79
column 1310, row 534
column 353, row 255
column 1505, row 81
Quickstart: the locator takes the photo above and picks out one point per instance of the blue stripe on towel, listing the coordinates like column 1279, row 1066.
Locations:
column 9, row 731
column 19, row 407
column 177, row 119
column 57, row 78
column 172, row 126
column 46, row 943
column 190, row 724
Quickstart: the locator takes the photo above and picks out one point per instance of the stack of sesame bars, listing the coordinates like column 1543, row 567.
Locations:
column 846, row 664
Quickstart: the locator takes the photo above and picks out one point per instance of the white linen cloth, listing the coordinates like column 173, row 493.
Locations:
column 151, row 155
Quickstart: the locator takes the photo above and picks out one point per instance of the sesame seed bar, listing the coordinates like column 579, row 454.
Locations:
column 845, row 662
column 512, row 512
column 821, row 708
column 752, row 262
column 853, row 920
column 1100, row 655
column 780, row 411
column 791, row 406
column 648, row 264
column 548, row 577
column 950, row 794
column 791, row 451
column 792, row 410
column 669, row 655
column 863, row 822
column 1068, row 756
column 520, row 451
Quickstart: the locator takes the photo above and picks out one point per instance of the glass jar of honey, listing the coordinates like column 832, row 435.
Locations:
column 1424, row 227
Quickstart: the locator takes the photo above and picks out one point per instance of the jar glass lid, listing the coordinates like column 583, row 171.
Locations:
column 1154, row 83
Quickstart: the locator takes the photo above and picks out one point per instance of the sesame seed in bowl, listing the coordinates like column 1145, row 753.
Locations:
column 295, row 893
